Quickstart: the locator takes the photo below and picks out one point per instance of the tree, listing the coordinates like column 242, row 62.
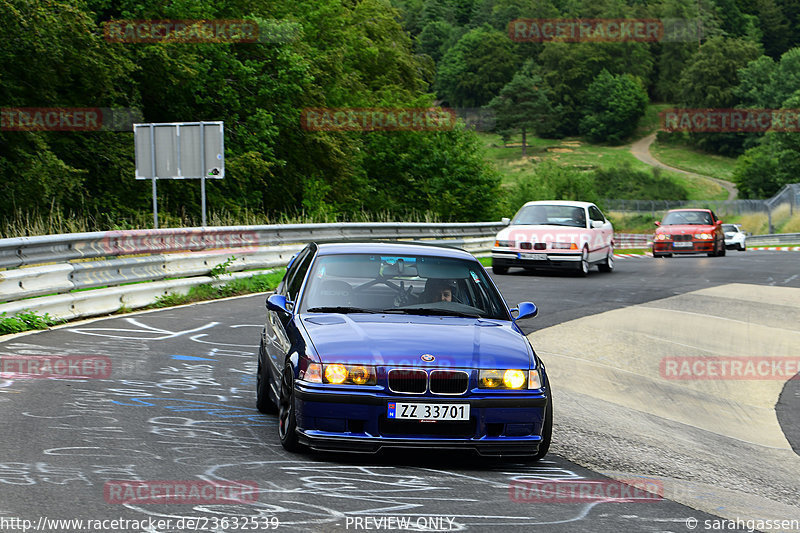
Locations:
column 613, row 107
column 433, row 38
column 444, row 172
column 710, row 80
column 762, row 170
column 523, row 105
column 569, row 68
column 473, row 71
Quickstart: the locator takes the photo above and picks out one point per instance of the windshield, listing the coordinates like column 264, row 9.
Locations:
column 729, row 228
column 688, row 218
column 361, row 283
column 551, row 215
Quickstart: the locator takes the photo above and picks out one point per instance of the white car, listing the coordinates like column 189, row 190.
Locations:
column 735, row 236
column 555, row 234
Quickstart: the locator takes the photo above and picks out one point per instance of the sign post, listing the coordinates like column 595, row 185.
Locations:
column 177, row 151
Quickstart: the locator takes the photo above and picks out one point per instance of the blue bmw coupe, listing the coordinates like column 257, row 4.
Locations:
column 369, row 346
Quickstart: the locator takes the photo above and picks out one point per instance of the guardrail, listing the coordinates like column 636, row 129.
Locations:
column 174, row 260
column 779, row 238
column 47, row 274
column 23, row 251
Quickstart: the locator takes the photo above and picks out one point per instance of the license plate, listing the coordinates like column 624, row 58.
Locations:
column 428, row 411
column 535, row 257
column 682, row 244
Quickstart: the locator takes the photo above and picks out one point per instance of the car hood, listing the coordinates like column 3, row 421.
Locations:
column 682, row 229
column 545, row 233
column 400, row 340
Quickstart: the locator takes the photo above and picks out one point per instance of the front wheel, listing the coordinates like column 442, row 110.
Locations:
column 608, row 266
column 583, row 266
column 742, row 248
column 499, row 269
column 287, row 422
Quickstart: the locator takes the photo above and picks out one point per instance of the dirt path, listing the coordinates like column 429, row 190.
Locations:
column 641, row 151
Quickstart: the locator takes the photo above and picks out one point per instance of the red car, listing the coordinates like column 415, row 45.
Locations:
column 689, row 231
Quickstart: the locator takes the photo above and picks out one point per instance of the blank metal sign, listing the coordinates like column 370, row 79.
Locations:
column 175, row 150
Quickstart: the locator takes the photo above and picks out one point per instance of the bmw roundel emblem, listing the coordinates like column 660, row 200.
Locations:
column 427, row 357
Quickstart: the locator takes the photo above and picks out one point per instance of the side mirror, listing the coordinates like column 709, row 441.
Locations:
column 505, row 221
column 525, row 310
column 278, row 303
column 719, row 222
column 596, row 224
column 658, row 223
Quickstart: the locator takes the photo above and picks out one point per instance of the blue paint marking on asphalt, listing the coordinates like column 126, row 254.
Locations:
column 190, row 358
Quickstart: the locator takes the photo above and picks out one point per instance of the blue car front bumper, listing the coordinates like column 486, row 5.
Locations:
column 346, row 420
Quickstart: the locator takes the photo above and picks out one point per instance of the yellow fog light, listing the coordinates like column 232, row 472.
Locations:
column 514, row 379
column 360, row 375
column 490, row 379
column 335, row 373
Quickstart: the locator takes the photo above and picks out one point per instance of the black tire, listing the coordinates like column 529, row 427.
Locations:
column 547, row 433
column 499, row 269
column 287, row 422
column 263, row 402
column 723, row 250
column 742, row 247
column 608, row 266
column 583, row 264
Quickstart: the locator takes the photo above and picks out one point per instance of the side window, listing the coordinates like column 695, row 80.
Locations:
column 595, row 214
column 299, row 275
column 291, row 268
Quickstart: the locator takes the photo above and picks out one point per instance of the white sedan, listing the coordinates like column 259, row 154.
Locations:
column 735, row 236
column 555, row 234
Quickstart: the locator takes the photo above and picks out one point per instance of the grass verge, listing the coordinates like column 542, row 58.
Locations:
column 236, row 287
column 687, row 158
column 28, row 320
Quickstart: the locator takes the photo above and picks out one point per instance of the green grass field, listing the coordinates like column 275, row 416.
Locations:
column 575, row 152
column 687, row 158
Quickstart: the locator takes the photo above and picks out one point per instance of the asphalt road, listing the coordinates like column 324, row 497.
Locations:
column 179, row 405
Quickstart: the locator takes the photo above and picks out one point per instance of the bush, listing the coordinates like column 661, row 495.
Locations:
column 614, row 105
column 626, row 183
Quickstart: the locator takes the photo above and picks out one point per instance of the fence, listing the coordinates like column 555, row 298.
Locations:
column 788, row 195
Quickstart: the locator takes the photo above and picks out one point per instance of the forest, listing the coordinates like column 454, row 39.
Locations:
column 367, row 54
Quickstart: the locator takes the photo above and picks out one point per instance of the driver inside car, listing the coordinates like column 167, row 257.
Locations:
column 441, row 290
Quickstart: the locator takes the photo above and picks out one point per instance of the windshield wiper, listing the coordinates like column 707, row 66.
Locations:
column 435, row 311
column 340, row 309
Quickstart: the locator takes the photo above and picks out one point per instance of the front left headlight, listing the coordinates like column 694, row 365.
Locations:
column 339, row 374
column 504, row 244
column 703, row 236
column 512, row 379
